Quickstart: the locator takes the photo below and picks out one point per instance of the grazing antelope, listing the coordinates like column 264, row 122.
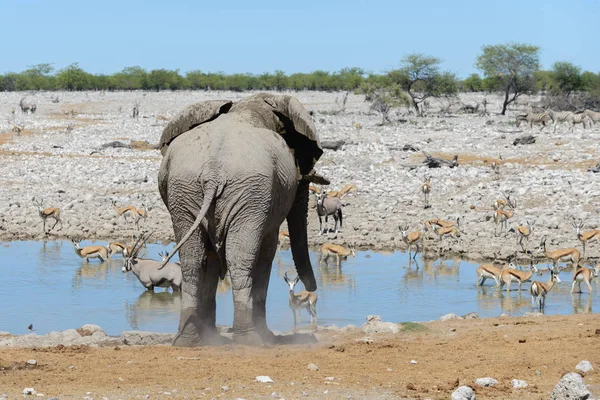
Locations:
column 505, row 203
column 523, row 233
column 491, row 271
column 87, row 252
column 426, row 189
column 501, row 218
column 328, row 206
column 126, row 212
column 148, row 272
column 587, row 236
column 447, row 231
column 343, row 192
column 45, row 213
column 585, row 275
column 539, row 290
column 340, row 252
column 569, row 255
column 300, row 300
column 413, row 238
column 508, row 276
column 431, row 224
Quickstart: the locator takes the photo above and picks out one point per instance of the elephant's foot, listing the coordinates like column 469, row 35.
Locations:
column 255, row 337
column 193, row 338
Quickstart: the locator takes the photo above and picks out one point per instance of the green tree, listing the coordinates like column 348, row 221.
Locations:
column 131, row 78
column 566, row 76
column 590, row 81
column 74, row 78
column 513, row 66
column 420, row 77
column 472, row 84
column 543, row 81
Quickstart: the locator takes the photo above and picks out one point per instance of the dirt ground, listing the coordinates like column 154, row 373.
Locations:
column 538, row 350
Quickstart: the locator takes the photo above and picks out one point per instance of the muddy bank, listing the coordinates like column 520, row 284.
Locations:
column 59, row 156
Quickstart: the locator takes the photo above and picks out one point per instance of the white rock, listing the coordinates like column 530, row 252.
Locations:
column 313, row 367
column 519, row 384
column 584, row 366
column 413, row 361
column 449, row 317
column 486, row 382
column 570, row 387
column 463, row 393
column 29, row 391
column 34, row 362
column 264, row 379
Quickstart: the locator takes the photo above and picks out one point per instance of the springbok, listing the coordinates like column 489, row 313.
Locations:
column 140, row 213
column 495, row 166
column 118, row 248
column 148, row 272
column 126, row 212
column 340, row 252
column 569, row 254
column 283, row 235
column 45, row 213
column 587, row 236
column 585, row 275
column 87, row 252
column 328, row 206
column 501, row 218
column 413, row 238
column 539, row 290
column 426, row 190
column 508, row 276
column 492, row 271
column 523, row 233
column 300, row 300
column 430, row 225
column 506, row 202
column 343, row 192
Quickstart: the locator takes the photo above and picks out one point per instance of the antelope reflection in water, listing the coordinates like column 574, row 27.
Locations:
column 581, row 305
column 507, row 303
column 150, row 306
column 97, row 272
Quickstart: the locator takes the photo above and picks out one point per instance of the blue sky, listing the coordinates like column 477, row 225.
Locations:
column 301, row 36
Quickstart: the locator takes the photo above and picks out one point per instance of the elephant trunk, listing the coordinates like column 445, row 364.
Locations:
column 297, row 226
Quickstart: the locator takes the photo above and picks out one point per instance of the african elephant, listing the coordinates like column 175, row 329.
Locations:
column 231, row 173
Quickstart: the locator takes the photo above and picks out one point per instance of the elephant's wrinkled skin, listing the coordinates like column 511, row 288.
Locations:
column 238, row 174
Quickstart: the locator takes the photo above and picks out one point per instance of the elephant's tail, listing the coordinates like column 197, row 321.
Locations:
column 208, row 199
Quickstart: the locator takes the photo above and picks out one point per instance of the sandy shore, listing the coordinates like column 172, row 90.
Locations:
column 420, row 361
column 59, row 157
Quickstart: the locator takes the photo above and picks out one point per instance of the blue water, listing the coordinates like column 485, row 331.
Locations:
column 49, row 286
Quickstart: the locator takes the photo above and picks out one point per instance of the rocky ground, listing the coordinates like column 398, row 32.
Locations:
column 59, row 157
column 530, row 357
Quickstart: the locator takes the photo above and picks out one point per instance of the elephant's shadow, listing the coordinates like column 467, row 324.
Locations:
column 226, row 334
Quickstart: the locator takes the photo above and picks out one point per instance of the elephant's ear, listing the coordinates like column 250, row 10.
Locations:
column 191, row 117
column 299, row 132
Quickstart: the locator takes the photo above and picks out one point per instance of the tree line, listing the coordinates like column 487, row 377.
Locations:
column 512, row 68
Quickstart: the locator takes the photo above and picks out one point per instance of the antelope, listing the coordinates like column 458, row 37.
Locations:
column 340, row 252
column 313, row 189
column 125, row 212
column 87, row 252
column 426, row 189
column 491, row 271
column 505, row 203
column 343, row 192
column 300, row 300
column 358, row 126
column 585, row 275
column 447, row 231
column 118, row 248
column 164, row 255
column 140, row 213
column 501, row 218
column 507, row 276
column 410, row 239
column 569, row 254
column 430, row 224
column 495, row 166
column 45, row 213
column 539, row 290
column 523, row 233
column 148, row 272
column 281, row 237
column 328, row 206
column 587, row 236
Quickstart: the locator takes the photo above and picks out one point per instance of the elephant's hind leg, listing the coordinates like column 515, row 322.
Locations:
column 242, row 249
column 200, row 269
column 261, row 277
